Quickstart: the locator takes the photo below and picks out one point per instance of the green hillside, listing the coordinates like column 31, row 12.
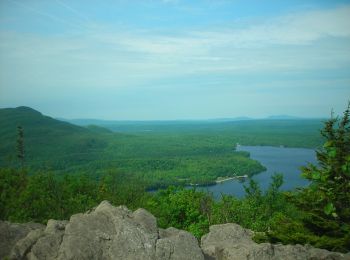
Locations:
column 292, row 132
column 175, row 152
column 47, row 140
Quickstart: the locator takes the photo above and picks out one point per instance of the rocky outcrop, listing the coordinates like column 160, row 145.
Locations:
column 231, row 241
column 109, row 232
column 11, row 233
column 106, row 232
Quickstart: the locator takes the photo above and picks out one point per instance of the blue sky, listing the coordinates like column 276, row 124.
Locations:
column 175, row 59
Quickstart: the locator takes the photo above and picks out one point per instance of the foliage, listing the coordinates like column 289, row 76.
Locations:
column 71, row 169
column 183, row 209
column 12, row 184
column 159, row 153
column 159, row 159
column 257, row 210
column 324, row 219
column 331, row 180
column 20, row 145
column 120, row 188
column 41, row 196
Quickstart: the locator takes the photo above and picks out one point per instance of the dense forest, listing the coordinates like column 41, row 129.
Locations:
column 318, row 214
column 158, row 153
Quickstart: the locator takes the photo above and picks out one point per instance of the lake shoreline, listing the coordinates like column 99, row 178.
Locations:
column 217, row 181
column 276, row 160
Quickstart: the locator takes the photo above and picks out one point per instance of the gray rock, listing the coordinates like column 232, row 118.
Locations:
column 108, row 232
column 231, row 241
column 24, row 245
column 47, row 246
column 105, row 232
column 146, row 220
column 11, row 233
column 177, row 244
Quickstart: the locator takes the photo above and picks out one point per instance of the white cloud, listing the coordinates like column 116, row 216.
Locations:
column 120, row 59
column 297, row 29
column 254, row 47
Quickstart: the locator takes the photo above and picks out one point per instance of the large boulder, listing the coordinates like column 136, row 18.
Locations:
column 231, row 241
column 11, row 233
column 177, row 244
column 106, row 232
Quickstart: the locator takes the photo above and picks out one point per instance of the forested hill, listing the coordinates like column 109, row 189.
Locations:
column 34, row 121
column 276, row 131
column 161, row 153
column 44, row 137
column 159, row 159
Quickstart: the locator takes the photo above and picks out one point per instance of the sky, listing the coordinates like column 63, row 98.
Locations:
column 175, row 59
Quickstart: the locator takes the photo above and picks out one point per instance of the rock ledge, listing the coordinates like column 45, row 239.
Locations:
column 106, row 232
column 109, row 232
column 231, row 241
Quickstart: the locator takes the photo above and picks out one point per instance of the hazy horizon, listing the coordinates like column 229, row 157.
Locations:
column 236, row 118
column 175, row 59
column 242, row 118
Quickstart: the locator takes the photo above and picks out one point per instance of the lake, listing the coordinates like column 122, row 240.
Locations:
column 276, row 160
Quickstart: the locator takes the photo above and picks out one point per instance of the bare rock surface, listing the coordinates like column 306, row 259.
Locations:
column 109, row 232
column 106, row 232
column 231, row 241
column 11, row 233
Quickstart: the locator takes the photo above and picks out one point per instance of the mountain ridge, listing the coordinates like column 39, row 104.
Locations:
column 94, row 121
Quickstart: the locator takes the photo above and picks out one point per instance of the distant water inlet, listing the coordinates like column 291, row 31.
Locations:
column 287, row 161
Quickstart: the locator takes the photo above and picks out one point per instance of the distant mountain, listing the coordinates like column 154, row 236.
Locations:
column 125, row 126
column 286, row 117
column 34, row 122
column 246, row 123
column 98, row 129
column 111, row 123
column 240, row 118
column 87, row 122
column 100, row 122
column 45, row 138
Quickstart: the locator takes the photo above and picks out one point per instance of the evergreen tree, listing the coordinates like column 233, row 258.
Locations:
column 331, row 179
column 20, row 145
column 325, row 204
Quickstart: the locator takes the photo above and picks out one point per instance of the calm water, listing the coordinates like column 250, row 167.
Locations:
column 276, row 159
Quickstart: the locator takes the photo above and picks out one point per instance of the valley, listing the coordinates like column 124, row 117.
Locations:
column 169, row 153
column 188, row 174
